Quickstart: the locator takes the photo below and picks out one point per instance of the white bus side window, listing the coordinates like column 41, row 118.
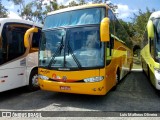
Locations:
column 12, row 41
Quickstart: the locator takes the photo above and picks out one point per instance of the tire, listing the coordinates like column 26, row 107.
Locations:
column 142, row 64
column 33, row 81
column 118, row 76
column 130, row 67
column 143, row 68
column 117, row 80
column 148, row 73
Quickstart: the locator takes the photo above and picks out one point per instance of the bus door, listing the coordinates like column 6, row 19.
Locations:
column 13, row 64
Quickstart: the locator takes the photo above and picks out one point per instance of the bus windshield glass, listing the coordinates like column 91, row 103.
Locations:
column 78, row 48
column 157, row 24
column 75, row 17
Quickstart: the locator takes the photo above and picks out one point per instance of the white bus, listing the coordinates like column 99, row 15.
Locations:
column 18, row 64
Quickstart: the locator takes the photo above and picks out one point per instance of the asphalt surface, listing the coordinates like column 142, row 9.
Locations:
column 133, row 93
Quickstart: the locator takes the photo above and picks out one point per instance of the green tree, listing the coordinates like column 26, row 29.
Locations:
column 30, row 11
column 61, row 6
column 97, row 1
column 20, row 3
column 37, row 13
column 139, row 25
column 53, row 5
column 112, row 6
column 128, row 26
column 72, row 3
column 3, row 10
column 82, row 2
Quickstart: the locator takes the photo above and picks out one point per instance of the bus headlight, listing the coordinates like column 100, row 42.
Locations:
column 43, row 77
column 157, row 73
column 94, row 79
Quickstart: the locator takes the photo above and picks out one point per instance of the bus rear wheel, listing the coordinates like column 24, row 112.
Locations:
column 33, row 81
column 148, row 73
column 117, row 80
column 117, row 76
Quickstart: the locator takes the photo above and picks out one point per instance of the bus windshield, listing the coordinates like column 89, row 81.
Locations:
column 75, row 17
column 78, row 48
column 157, row 24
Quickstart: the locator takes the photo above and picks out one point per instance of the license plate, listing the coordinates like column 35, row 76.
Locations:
column 65, row 87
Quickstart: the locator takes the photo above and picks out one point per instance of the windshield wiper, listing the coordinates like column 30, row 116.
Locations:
column 59, row 49
column 74, row 57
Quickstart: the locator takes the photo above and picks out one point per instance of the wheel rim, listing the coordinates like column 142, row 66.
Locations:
column 35, row 80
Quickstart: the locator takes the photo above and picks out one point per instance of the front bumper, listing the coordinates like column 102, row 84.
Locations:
column 96, row 88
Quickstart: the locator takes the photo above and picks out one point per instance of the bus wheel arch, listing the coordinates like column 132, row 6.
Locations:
column 33, row 80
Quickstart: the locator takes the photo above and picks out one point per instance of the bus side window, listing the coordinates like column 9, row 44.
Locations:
column 109, row 48
column 12, row 42
column 15, row 44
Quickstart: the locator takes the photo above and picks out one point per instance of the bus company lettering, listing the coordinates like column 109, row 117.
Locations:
column 44, row 71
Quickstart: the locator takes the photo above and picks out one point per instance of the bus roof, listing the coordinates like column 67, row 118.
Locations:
column 155, row 15
column 78, row 7
column 7, row 20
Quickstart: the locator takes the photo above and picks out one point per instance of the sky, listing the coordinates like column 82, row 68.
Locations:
column 125, row 10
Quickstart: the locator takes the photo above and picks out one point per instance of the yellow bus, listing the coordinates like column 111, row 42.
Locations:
column 83, row 50
column 150, row 53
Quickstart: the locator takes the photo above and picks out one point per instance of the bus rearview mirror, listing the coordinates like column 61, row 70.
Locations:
column 27, row 34
column 150, row 29
column 104, row 30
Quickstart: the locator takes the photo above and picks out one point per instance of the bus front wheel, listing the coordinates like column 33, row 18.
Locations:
column 33, row 80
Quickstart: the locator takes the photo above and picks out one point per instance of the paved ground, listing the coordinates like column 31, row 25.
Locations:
column 134, row 93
